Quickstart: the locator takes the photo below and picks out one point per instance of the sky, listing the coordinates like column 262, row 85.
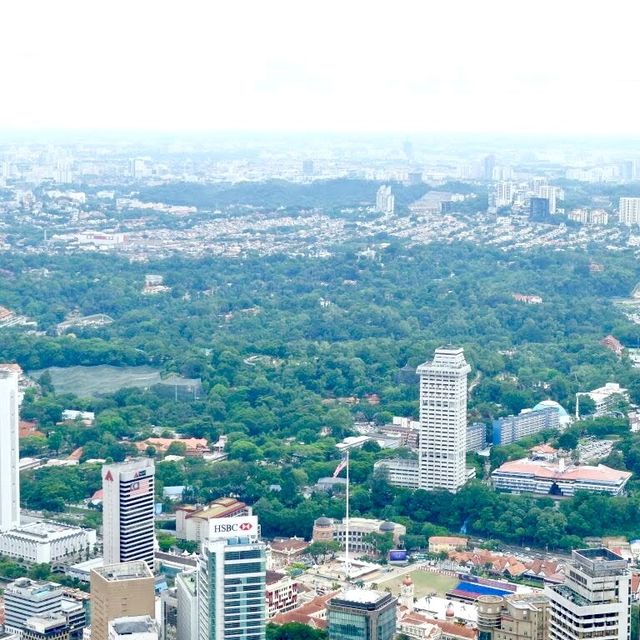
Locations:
column 523, row 66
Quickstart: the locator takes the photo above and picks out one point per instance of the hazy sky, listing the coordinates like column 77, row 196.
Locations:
column 558, row 66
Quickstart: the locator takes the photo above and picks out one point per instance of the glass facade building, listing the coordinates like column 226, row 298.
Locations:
column 362, row 614
column 231, row 587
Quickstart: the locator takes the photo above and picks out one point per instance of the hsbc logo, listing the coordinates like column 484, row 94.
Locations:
column 228, row 527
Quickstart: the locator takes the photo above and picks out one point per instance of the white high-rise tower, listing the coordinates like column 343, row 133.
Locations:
column 128, row 511
column 443, row 421
column 9, row 451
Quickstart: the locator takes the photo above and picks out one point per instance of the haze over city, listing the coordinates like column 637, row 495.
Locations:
column 542, row 67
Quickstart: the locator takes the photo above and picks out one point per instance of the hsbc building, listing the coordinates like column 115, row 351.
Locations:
column 231, row 581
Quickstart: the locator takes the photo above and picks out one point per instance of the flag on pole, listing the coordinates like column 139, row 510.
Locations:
column 340, row 467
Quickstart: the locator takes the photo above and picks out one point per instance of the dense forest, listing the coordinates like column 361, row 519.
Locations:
column 290, row 350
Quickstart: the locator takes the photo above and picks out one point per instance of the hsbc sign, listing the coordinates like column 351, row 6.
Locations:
column 243, row 526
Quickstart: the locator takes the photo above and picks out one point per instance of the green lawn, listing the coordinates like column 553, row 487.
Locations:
column 425, row 582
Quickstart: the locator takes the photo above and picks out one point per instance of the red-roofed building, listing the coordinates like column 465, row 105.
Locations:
column 556, row 478
column 284, row 551
column 613, row 344
column 312, row 613
column 194, row 446
column 28, row 428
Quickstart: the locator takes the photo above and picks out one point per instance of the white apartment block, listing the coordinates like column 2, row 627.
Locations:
column 128, row 511
column 629, row 211
column 595, row 599
column 9, row 451
column 443, row 421
column 504, row 193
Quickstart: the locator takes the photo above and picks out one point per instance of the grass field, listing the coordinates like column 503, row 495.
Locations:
column 425, row 582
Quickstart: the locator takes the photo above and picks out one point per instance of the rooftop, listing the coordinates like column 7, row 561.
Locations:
column 554, row 471
column 361, row 597
column 124, row 571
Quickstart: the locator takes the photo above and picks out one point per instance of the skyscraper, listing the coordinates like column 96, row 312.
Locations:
column 9, row 451
column 119, row 590
column 128, row 511
column 443, row 420
column 595, row 599
column 232, row 582
column 362, row 614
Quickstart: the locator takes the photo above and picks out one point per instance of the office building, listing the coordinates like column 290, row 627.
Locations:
column 361, row 614
column 192, row 523
column 26, row 598
column 385, row 200
column 594, row 601
column 443, row 421
column 9, row 451
column 128, row 511
column 48, row 626
column 526, row 423
column 399, row 472
column 187, row 596
column 360, row 529
column 522, row 616
column 120, row 590
column 231, row 582
column 556, row 478
column 538, row 207
column 133, row 628
column 629, row 211
column 46, row 542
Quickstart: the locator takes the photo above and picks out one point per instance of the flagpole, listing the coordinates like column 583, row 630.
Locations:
column 346, row 528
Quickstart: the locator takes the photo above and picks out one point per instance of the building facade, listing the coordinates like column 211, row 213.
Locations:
column 443, row 421
column 192, row 523
column 325, row 529
column 629, row 211
column 187, row 596
column 41, row 542
column 9, row 451
column 594, row 601
column 120, row 590
column 515, row 617
column 27, row 598
column 526, row 423
column 231, row 582
column 399, row 472
column 128, row 511
column 476, row 436
column 555, row 478
column 362, row 614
